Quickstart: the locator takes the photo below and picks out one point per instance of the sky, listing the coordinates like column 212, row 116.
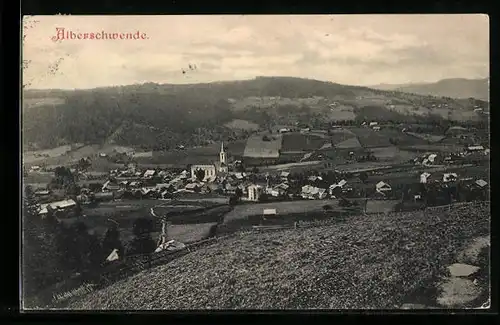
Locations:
column 346, row 49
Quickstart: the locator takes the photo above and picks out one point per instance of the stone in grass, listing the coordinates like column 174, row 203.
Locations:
column 456, row 292
column 462, row 270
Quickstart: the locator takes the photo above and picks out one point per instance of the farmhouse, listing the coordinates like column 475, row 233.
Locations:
column 475, row 148
column 103, row 196
column 312, row 192
column 149, row 173
column 284, row 175
column 110, row 186
column 269, row 212
column 192, row 187
column 449, row 177
column 382, row 187
column 423, row 177
column 481, row 183
column 64, row 205
column 335, row 188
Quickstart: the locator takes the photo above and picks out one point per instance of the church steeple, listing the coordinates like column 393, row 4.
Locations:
column 222, row 154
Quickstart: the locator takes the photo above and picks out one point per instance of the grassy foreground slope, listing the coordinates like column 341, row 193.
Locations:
column 375, row 261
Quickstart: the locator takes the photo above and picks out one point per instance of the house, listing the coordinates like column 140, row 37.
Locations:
column 312, row 192
column 134, row 184
column 84, row 198
column 64, row 205
column 373, row 124
column 195, row 187
column 103, row 196
column 284, row 130
column 239, row 176
column 481, row 183
column 432, row 158
column 337, row 187
column 475, row 148
column 449, row 177
column 254, row 192
column 34, row 168
column 269, row 212
column 110, row 186
column 382, row 187
column 102, row 155
column 284, row 175
column 363, row 124
column 42, row 193
column 161, row 186
column 149, row 173
column 314, row 178
column 423, row 177
column 376, row 128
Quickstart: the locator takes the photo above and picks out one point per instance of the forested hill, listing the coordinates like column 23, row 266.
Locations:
column 456, row 88
column 159, row 116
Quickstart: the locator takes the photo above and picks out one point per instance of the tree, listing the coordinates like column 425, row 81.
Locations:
column 200, row 174
column 238, row 193
column 363, row 176
column 112, row 241
column 327, row 208
column 83, row 164
column 255, row 170
column 233, row 200
column 142, row 243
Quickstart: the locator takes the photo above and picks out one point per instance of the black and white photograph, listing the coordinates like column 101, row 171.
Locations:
column 255, row 162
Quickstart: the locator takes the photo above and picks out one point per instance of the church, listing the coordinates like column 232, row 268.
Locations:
column 212, row 170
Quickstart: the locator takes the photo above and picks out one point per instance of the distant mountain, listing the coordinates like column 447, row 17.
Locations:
column 454, row 88
column 161, row 116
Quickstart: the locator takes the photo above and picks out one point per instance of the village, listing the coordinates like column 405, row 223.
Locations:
column 229, row 179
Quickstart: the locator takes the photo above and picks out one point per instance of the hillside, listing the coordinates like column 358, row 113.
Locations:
column 454, row 88
column 364, row 262
column 162, row 116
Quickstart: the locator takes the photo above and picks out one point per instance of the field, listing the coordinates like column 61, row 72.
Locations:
column 242, row 125
column 427, row 137
column 184, row 227
column 38, row 177
column 65, row 155
column 380, row 206
column 293, row 142
column 363, row 262
column 370, row 138
column 392, row 153
column 445, row 148
column 340, row 135
column 303, row 206
column 340, row 113
column 258, row 148
column 351, row 143
column 200, row 155
column 44, row 101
